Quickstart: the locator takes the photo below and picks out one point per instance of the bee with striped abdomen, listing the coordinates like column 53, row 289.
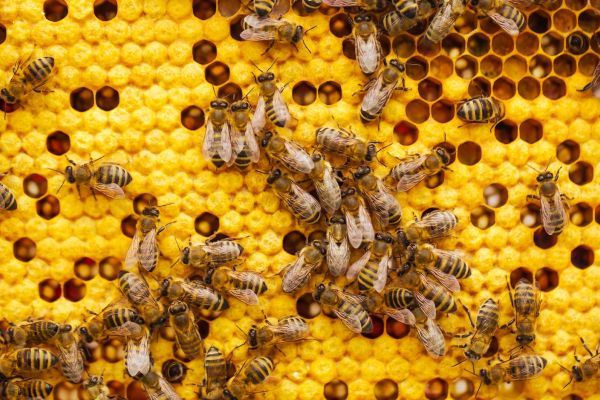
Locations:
column 194, row 293
column 366, row 44
column 114, row 320
column 29, row 360
column 216, row 146
column 484, row 330
column 215, row 374
column 288, row 153
column 379, row 90
column 298, row 273
column 407, row 15
column 345, row 144
column 34, row 332
column 346, row 307
column 448, row 262
column 338, row 249
column 158, row 388
column 431, row 337
column 28, row 389
column 244, row 145
column 138, row 292
column 299, row 202
column 276, row 8
column 553, row 204
column 326, row 184
column 174, row 371
column 358, row 221
column 245, row 286
column 586, row 370
column 213, row 253
column 258, row 29
column 288, row 329
column 255, row 372
column 8, row 202
column 390, row 305
column 186, row 332
column 526, row 302
column 270, row 104
column 381, row 202
column 481, row 110
column 70, row 354
column 413, row 169
column 310, row 6
column 516, row 369
column 144, row 247
column 434, row 225
column 138, row 361
column 371, row 270
column 509, row 18
column 445, row 18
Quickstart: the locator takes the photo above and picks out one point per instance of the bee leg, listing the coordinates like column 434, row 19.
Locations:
column 463, row 336
column 533, row 197
column 468, row 314
column 269, row 47
column 508, row 324
column 585, row 346
column 279, row 350
column 585, row 88
column 79, row 191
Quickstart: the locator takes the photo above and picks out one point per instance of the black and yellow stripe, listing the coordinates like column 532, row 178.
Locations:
column 367, row 276
column 35, row 359
column 38, row 71
column 42, row 331
column 118, row 316
column 398, row 298
column 272, row 113
column 242, row 160
column 215, row 368
column 476, row 110
column 7, row 199
column 365, row 320
column 488, row 316
column 214, row 302
column 442, row 299
column 34, row 389
column 254, row 283
column 259, row 369
column 525, row 301
column 263, row 7
column 112, row 173
column 453, row 265
column 512, row 13
column 311, row 5
column 408, row 8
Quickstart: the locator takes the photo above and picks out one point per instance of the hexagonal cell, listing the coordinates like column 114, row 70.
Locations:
column 543, row 240
column 527, row 44
column 404, row 45
column 518, row 274
column 206, row 224
column 552, row 43
column 48, row 207
column 564, row 20
column 433, row 181
column 316, row 235
column 107, row 98
column 416, row 68
column 466, row 23
column 49, row 290
column 462, row 389
column 466, row 67
column 539, row 21
column 493, row 349
column 217, row 73
column 504, row 88
column 483, row 217
column 116, row 388
column 495, row 195
column 442, row 111
column 74, row 290
column 340, row 25
column 348, row 48
column 595, row 4
column 442, row 67
column 576, row 5
column 453, row 45
column 174, row 371
column 85, row 268
column 304, row 93
column 491, row 66
column 105, row 10
column 112, row 352
column 204, row 9
column 55, row 10
column 386, row 389
column 135, row 390
column 406, row 133
column 430, row 89
column 35, row 185
column 335, row 390
column 378, row 327
column 554, row 88
column 330, row 92
column 568, row 151
column 469, row 153
column 327, row 10
column 540, row 66
column 2, row 33
column 582, row 256
column 58, row 143
column 236, row 27
column 82, row 99
column 515, row 66
column 577, row 43
column 386, row 45
column 587, row 64
column 65, row 390
column 142, row 201
column 506, row 131
column 395, row 329
column 530, row 215
column 436, row 389
column 203, row 328
column 479, row 87
column 589, row 21
column 293, row 242
column 426, row 48
column 546, row 279
column 529, row 88
column 531, row 131
column 595, row 42
column 24, row 249
column 581, row 173
column 489, row 26
column 109, row 268
column 128, row 225
column 228, row 8
column 581, row 214
column 230, row 91
column 478, row 44
column 565, row 65
column 192, row 117
column 204, row 52
column 417, row 111
column 307, row 307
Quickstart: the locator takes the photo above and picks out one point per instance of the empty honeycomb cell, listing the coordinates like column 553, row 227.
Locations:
column 228, row 8
column 192, row 118
column 546, row 279
column 230, row 91
column 105, row 10
column 116, row 388
column 478, row 44
column 589, row 21
column 442, row 111
column 543, row 240
column 581, row 173
column 462, row 389
column 206, row 224
column 348, row 48
column 568, row 151
column 436, row 389
column 335, row 390
column 442, row 67
column 564, row 20
column 416, row 68
column 128, row 225
column 136, row 391
column 587, row 64
column 216, row 73
column 529, row 88
column 49, row 290
column 35, row 185
column 577, row 43
column 404, row 45
column 506, row 131
column 395, row 329
column 515, row 66
column 495, row 195
column 307, row 307
column 466, row 23
column 581, row 214
column 58, row 143
column 142, row 201
column 527, row 44
column 530, row 215
column 552, row 43
column 554, row 88
column 47, row 207
column 582, row 256
column 434, row 181
column 109, row 268
column 565, row 65
column 576, row 5
column 378, row 328
column 427, row 48
column 504, row 88
column 55, row 10
column 595, row 42
column 107, row 98
column 204, row 52
column 293, row 242
column 82, row 99
column 491, row 66
column 517, row 274
column 572, row 397
column 74, row 290
column 493, row 349
column 503, row 44
column 24, row 249
column 453, row 45
column 540, row 66
column 531, row 131
column 330, row 92
column 386, row 389
column 406, row 133
column 65, row 391
column 113, row 351
column 469, row 153
column 316, row 235
column 236, row 27
column 430, row 89
column 203, row 328
column 204, row 9
column 466, row 67
column 483, row 217
column 417, row 111
column 304, row 93
column 539, row 21
column 85, row 268
column 386, row 45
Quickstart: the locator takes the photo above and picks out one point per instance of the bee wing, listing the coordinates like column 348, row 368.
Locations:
column 446, row 280
column 281, row 109
column 289, row 332
column 368, row 233
column 368, row 53
column 111, row 190
column 256, row 22
column 148, row 250
column 300, row 199
column 426, row 305
column 237, row 141
column 251, row 143
column 257, row 35
column 550, row 207
column 341, row 3
column 167, row 390
column 522, row 4
column 352, row 321
column 444, row 19
column 435, row 219
column 357, row 266
column 132, row 254
column 329, row 191
column 379, row 201
column 225, row 148
column 258, row 119
column 404, row 316
column 508, row 25
column 199, row 290
column 377, row 96
column 138, row 356
column 209, row 140
column 410, row 173
column 280, row 8
column 596, row 78
column 129, row 328
column 449, row 254
column 296, row 157
column 352, row 298
column 382, row 274
column 246, row 296
column 337, row 255
column 432, row 339
column 296, row 275
column 355, row 235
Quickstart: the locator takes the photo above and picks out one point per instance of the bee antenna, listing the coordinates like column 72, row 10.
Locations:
column 478, row 387
column 533, row 168
column 460, row 362
column 56, row 170
column 243, row 333
column 262, row 172
column 565, row 368
column 271, row 66
column 304, row 43
column 61, row 185
column 166, row 204
column 256, row 66
column 214, row 91
column 176, row 261
column 177, row 243
column 248, row 94
column 310, row 29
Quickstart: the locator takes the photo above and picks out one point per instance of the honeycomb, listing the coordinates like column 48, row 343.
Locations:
column 133, row 81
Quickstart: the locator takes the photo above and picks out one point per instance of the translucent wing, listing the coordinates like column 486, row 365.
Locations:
column 237, row 141
column 197, row 291
column 256, row 22
column 368, row 53
column 252, row 144
column 357, row 266
column 554, row 215
column 432, row 339
column 426, row 305
column 225, row 147
column 280, row 108
column 522, row 4
column 129, row 328
column 256, row 35
column 368, row 233
column 329, row 191
column 138, row 356
column 378, row 96
column 280, row 8
column 258, row 119
column 596, row 79
column 340, row 3
column 296, row 158
column 338, row 255
column 111, row 190
column 132, row 254
column 444, row 20
column 148, row 251
column 404, row 316
column 167, row 390
column 355, row 235
column 290, row 332
column 409, row 173
column 382, row 274
column 446, row 280
column 300, row 200
column 209, row 140
column 508, row 25
column 352, row 298
column 352, row 321
column 296, row 275
column 246, row 296
column 437, row 219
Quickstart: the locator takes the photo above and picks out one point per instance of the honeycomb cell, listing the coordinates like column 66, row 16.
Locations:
column 216, row 73
column 466, row 67
column 58, row 143
column 116, row 388
column 112, row 352
column 406, row 133
column 539, row 21
column 527, row 44
column 135, row 391
column 74, row 290
column 128, row 225
column 404, row 45
column 348, row 48
column 466, row 23
column 293, row 242
column 515, row 66
column 304, row 93
column 395, row 329
column 35, row 185
column 540, row 66
column 554, row 88
column 543, row 240
column 442, row 111
column 327, row 10
column 204, row 52
column 416, row 68
column 48, row 207
column 330, row 92
column 2, row 33
column 203, row 328
column 206, row 224
column 582, row 256
column 572, row 397
column 55, row 10
column 316, row 235
column 581, row 173
column 109, row 268
column 230, row 91
column 174, row 371
column 107, row 98
column 581, row 214
column 105, row 10
column 531, row 131
column 589, row 21
column 64, row 391
column 552, row 43
column 595, row 42
column 493, row 349
column 417, row 111
column 587, row 64
column 568, row 151
column 462, row 389
column 436, row 389
column 49, row 290
column 576, row 5
column 478, row 44
column 469, row 153
column 564, row 20
column 386, row 46
column 24, row 249
column 434, row 181
column 192, row 118
column 504, row 88
column 386, row 389
column 565, row 65
column 442, row 67
column 546, row 279
column 204, row 9
column 307, row 307
column 453, row 45
column 378, row 327
column 228, row 8
column 483, row 217
column 430, row 89
column 529, row 88
column 577, row 43
column 495, row 195
column 530, row 215
column 82, row 99
column 519, row 273
column 503, row 44
column 335, row 390
column 426, row 48
column 142, row 201
column 85, row 268
column 506, row 131
column 236, row 27
column 491, row 66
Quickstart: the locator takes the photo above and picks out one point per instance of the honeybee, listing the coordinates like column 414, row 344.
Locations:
column 379, row 90
column 345, row 144
column 217, row 139
column 298, row 273
column 372, row 268
column 29, row 360
column 299, row 202
column 270, row 103
column 594, row 85
column 245, row 147
column 138, row 361
column 34, row 332
column 398, row 298
column 481, row 110
column 413, row 169
column 434, row 225
column 428, row 296
column 96, row 388
column 448, row 262
column 215, row 372
column 288, row 153
column 138, row 292
column 586, row 370
column 338, row 249
column 273, row 30
column 516, row 369
column 144, row 247
column 366, row 45
column 394, row 303
column 245, row 286
column 509, row 18
column 70, row 355
column 213, row 253
column 553, row 203
column 526, row 302
column 158, row 388
column 262, row 8
column 326, row 184
column 8, row 202
column 194, row 293
column 288, row 329
column 358, row 220
column 407, row 15
column 174, row 371
column 114, row 320
column 186, row 332
column 367, row 5
column 311, row 6
column 346, row 307
column 28, row 389
column 25, row 80
column 431, row 337
column 484, row 330
column 444, row 19
column 256, row 372
column 381, row 201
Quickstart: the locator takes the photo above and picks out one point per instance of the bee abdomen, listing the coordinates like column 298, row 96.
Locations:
column 7, row 199
column 263, row 7
column 366, row 116
column 453, row 266
column 367, row 276
column 443, row 300
column 259, row 369
column 512, row 13
column 408, row 8
column 35, row 389
column 476, row 110
column 119, row 316
column 38, row 71
column 311, row 5
column 112, row 173
column 35, row 359
column 42, row 331
column 398, row 298
column 278, row 120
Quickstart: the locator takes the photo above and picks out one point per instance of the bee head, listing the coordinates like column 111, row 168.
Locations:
column 265, row 77
column 484, row 374
column 348, row 192
column 384, row 237
column 240, row 106
column 398, row 65
column 317, row 244
column 69, row 174
column 178, row 307
column 317, row 157
column 151, row 212
column 363, row 18
column 298, row 33
column 219, row 104
column 264, row 142
column 252, row 337
column 577, row 373
column 545, row 176
column 86, row 334
column 337, row 219
column 362, row 171
column 273, row 176
column 164, row 287
column 471, row 355
column 11, row 334
column 66, row 328
column 228, row 396
column 442, row 153
column 185, row 255
column 319, row 291
column 138, row 320
column 209, row 276
column 7, row 97
column 524, row 340
column 371, row 152
column 93, row 381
